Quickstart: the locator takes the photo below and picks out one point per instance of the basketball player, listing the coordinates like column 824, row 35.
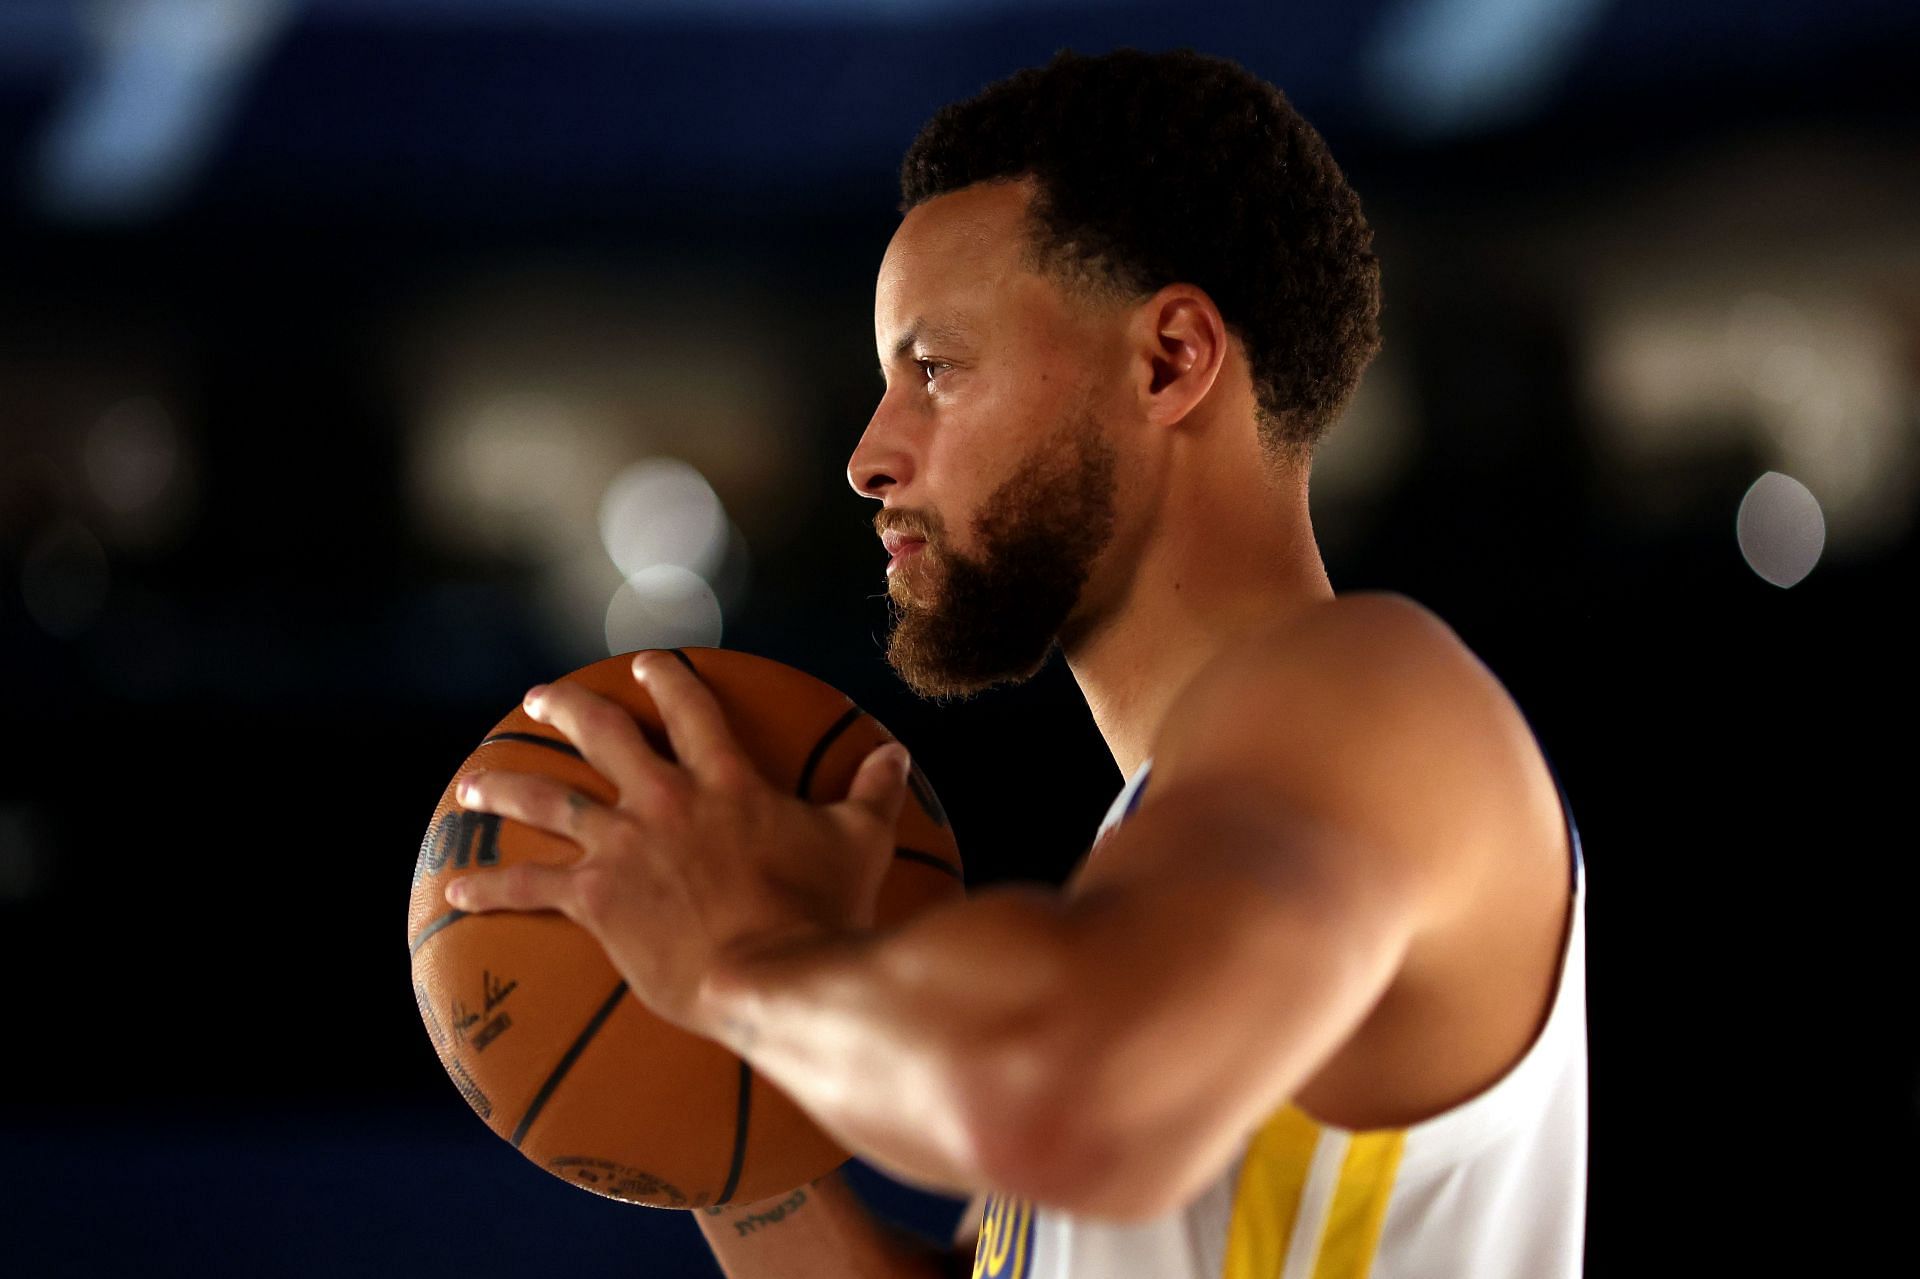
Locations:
column 1313, row 1005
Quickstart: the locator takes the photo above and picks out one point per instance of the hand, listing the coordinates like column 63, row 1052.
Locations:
column 698, row 863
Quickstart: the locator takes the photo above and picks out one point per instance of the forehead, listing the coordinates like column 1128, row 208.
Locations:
column 957, row 255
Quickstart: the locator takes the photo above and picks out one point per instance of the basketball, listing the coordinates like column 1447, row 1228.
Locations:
column 539, row 1032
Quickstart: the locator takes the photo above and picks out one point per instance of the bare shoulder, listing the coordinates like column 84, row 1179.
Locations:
column 1361, row 665
column 1374, row 725
column 1368, row 712
column 1376, row 639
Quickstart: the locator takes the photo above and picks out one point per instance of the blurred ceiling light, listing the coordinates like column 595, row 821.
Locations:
column 660, row 510
column 1780, row 529
column 138, row 122
column 631, row 11
column 664, row 606
column 504, row 472
column 515, row 450
column 589, row 427
column 63, row 579
column 1815, row 383
column 1442, row 66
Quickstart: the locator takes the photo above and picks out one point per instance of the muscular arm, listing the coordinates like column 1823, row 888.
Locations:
column 1122, row 1040
column 1102, row 1051
column 823, row 1231
column 897, row 1043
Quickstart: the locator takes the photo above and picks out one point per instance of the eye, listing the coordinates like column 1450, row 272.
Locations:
column 928, row 366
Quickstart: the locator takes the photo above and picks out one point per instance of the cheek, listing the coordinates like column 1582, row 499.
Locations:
column 964, row 457
column 980, row 439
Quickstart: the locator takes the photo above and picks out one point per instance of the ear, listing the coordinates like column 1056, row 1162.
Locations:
column 1178, row 344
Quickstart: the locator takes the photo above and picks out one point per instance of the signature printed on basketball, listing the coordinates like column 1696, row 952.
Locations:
column 494, row 990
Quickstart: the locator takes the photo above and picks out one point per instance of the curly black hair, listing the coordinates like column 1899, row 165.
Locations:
column 1156, row 168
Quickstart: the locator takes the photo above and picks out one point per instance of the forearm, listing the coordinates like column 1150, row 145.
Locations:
column 817, row 1231
column 898, row 1044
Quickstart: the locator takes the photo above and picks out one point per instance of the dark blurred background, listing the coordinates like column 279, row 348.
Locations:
column 350, row 351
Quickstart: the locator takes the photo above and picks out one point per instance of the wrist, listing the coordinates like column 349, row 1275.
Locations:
column 728, row 995
column 772, row 1208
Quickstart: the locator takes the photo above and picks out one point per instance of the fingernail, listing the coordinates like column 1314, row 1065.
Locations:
column 457, row 893
column 533, row 698
column 467, row 787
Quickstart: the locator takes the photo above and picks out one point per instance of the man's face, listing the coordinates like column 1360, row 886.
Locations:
column 988, row 443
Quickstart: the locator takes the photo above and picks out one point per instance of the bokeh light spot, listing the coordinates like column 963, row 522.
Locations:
column 664, row 606
column 1781, row 529
column 660, row 510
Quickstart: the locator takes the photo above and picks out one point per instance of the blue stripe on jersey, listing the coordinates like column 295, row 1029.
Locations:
column 1566, row 808
column 1573, row 831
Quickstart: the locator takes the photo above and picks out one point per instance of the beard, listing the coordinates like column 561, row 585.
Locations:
column 963, row 624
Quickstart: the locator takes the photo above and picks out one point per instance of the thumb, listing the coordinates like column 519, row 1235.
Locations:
column 881, row 783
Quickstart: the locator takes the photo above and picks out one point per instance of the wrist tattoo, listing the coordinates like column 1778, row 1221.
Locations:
column 773, row 1215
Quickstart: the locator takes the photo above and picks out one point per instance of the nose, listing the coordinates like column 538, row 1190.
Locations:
column 880, row 460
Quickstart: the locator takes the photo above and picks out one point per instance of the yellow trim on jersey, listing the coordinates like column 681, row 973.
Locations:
column 1266, row 1199
column 1006, row 1230
column 1359, row 1205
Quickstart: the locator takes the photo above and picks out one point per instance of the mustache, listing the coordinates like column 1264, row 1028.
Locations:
column 902, row 523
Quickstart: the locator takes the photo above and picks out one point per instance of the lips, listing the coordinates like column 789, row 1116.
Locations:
column 895, row 542
column 902, row 551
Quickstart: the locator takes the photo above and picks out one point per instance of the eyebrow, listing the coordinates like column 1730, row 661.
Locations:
column 945, row 328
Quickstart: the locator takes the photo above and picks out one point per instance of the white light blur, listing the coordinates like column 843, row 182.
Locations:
column 508, row 473
column 63, row 579
column 1815, row 382
column 132, row 454
column 1781, row 529
column 664, row 606
column 517, row 450
column 661, row 510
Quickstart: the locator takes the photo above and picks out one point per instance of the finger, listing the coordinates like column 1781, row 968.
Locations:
column 605, row 732
column 528, row 886
column 696, row 725
column 540, row 802
column 880, row 784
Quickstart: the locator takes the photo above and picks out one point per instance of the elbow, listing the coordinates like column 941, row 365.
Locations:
column 1047, row 1115
column 1038, row 1137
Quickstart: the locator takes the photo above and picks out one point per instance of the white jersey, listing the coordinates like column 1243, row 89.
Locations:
column 1494, row 1188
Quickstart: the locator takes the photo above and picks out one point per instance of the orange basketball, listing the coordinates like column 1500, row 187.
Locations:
column 537, row 1029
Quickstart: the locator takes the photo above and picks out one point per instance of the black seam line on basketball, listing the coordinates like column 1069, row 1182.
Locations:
column 546, row 1092
column 448, row 918
column 742, row 1112
column 685, row 660
column 820, row 748
column 534, row 739
column 928, row 859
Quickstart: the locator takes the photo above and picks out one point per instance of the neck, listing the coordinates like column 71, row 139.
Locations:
column 1230, row 552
